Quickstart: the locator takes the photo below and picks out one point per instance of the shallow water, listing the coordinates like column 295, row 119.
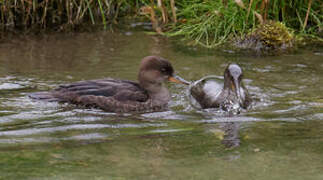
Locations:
column 280, row 137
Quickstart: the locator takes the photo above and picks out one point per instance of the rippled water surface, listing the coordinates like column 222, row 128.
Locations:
column 280, row 137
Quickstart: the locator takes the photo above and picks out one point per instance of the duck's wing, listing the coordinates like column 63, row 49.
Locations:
column 110, row 104
column 200, row 96
column 119, row 90
column 110, row 95
column 207, row 92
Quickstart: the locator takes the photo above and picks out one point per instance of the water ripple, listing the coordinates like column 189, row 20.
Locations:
column 32, row 131
column 89, row 136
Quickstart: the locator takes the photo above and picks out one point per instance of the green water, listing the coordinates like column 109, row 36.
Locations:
column 280, row 137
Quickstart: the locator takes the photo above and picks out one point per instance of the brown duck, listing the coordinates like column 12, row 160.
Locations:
column 113, row 95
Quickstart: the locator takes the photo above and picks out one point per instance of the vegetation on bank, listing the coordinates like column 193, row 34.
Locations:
column 213, row 22
column 271, row 37
column 205, row 22
column 58, row 14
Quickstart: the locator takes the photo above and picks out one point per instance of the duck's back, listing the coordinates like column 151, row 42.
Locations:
column 207, row 91
column 110, row 92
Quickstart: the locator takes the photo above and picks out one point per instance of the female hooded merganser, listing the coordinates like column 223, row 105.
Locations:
column 121, row 95
column 209, row 93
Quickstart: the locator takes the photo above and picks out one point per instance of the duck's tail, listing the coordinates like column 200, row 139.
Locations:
column 44, row 96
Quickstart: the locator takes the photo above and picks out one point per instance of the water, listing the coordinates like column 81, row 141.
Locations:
column 280, row 137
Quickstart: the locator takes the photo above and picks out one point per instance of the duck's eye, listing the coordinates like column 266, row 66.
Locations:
column 163, row 70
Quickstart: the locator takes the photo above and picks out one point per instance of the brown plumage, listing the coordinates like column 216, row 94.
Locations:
column 113, row 95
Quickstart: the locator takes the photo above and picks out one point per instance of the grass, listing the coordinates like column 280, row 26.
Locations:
column 211, row 23
column 205, row 22
column 43, row 14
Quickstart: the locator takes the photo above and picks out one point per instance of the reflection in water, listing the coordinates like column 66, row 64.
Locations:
column 61, row 141
column 231, row 134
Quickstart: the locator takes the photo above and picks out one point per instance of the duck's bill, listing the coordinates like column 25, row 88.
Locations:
column 236, row 88
column 177, row 79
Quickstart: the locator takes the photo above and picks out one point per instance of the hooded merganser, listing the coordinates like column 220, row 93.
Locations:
column 112, row 95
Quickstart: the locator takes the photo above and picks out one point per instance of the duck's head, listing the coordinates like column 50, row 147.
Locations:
column 154, row 71
column 232, row 79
